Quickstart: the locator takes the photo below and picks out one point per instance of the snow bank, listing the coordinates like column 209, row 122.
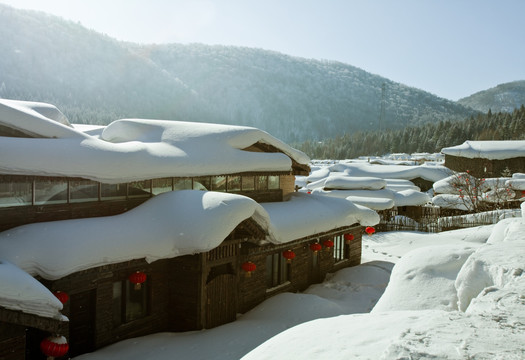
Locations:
column 424, row 279
column 493, row 150
column 496, row 264
column 354, row 183
column 452, row 201
column 20, row 291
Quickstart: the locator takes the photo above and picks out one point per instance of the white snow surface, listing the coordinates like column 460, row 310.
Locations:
column 133, row 149
column 332, row 320
column 20, row 291
column 360, row 169
column 492, row 150
column 169, row 225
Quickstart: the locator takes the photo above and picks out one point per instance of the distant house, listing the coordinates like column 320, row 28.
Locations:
column 487, row 158
column 150, row 225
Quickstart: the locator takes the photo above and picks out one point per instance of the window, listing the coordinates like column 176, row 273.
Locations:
column 218, row 183
column 139, row 189
column 234, row 183
column 50, row 191
column 273, row 183
column 340, row 248
column 83, row 190
column 182, row 184
column 163, row 185
column 113, row 191
column 129, row 303
column 16, row 192
column 248, row 183
column 202, row 183
column 277, row 271
column 261, row 182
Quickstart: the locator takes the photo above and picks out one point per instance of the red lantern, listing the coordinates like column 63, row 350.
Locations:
column 348, row 238
column 248, row 267
column 137, row 278
column 54, row 346
column 62, row 296
column 289, row 255
column 315, row 247
column 328, row 244
column 370, row 230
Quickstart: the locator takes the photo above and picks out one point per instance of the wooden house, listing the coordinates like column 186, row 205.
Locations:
column 487, row 158
column 151, row 226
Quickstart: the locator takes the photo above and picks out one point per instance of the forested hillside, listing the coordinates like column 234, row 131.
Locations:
column 95, row 79
column 504, row 97
column 426, row 138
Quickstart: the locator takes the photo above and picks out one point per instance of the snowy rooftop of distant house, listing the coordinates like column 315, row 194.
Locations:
column 492, row 150
column 132, row 149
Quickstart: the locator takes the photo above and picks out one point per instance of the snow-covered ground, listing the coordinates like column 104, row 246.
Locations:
column 453, row 295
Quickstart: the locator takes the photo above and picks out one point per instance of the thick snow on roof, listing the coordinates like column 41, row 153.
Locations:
column 169, row 225
column 35, row 119
column 492, row 150
column 430, row 173
column 20, row 291
column 308, row 214
column 135, row 149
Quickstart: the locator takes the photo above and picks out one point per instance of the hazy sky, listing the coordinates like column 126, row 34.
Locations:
column 451, row 48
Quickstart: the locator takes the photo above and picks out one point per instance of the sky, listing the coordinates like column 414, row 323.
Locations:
column 451, row 48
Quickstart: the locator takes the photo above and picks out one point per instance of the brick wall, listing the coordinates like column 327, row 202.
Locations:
column 287, row 184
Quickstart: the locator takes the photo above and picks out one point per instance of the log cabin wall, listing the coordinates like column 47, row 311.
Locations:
column 482, row 168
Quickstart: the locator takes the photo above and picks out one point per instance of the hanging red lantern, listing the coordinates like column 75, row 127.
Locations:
column 62, row 296
column 137, row 278
column 370, row 230
column 289, row 255
column 315, row 247
column 248, row 266
column 348, row 238
column 54, row 346
column 328, row 244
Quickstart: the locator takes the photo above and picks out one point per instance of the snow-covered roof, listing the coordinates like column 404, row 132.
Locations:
column 20, row 291
column 133, row 149
column 169, row 225
column 492, row 150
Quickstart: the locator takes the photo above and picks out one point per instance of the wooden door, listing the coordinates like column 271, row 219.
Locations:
column 221, row 305
column 82, row 323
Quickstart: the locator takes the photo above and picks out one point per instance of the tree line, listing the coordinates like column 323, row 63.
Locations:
column 430, row 137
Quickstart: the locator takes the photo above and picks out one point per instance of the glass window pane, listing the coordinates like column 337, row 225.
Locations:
column 162, row 185
column 248, row 183
column 218, row 183
column 50, row 191
column 117, row 303
column 113, row 191
column 234, row 183
column 273, row 183
column 202, row 183
column 261, row 182
column 83, row 190
column 135, row 301
column 14, row 192
column 139, row 188
column 182, row 184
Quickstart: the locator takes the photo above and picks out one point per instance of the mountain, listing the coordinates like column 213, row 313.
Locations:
column 95, row 79
column 502, row 98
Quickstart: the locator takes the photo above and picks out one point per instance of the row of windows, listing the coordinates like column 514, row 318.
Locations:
column 41, row 191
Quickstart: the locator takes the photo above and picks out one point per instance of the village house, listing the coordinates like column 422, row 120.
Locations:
column 485, row 159
column 142, row 226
